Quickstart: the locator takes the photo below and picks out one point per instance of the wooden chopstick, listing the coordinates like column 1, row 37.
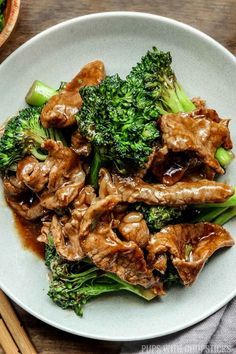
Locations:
column 6, row 341
column 15, row 328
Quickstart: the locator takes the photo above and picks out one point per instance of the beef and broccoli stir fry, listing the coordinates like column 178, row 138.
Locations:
column 122, row 174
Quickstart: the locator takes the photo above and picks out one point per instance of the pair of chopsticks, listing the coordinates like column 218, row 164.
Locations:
column 13, row 338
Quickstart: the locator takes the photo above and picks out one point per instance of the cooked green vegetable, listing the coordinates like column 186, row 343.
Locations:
column 121, row 123
column 226, row 216
column 218, row 213
column 224, row 156
column 75, row 283
column 39, row 93
column 159, row 216
column 2, row 19
column 24, row 135
column 155, row 75
column 119, row 116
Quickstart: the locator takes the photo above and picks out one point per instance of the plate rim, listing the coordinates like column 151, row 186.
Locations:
column 110, row 14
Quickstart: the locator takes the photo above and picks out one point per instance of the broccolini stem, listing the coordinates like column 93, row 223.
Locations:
column 187, row 104
column 38, row 155
column 39, row 93
column 147, row 294
column 210, row 215
column 224, row 156
column 56, row 134
column 94, row 169
column 225, row 217
column 172, row 100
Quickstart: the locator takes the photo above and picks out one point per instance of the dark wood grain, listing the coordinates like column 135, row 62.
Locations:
column 217, row 18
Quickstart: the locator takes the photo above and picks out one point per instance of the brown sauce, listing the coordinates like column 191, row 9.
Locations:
column 28, row 232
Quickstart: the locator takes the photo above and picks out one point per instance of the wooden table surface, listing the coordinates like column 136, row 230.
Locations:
column 217, row 18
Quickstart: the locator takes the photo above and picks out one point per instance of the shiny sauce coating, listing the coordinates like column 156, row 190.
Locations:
column 28, row 232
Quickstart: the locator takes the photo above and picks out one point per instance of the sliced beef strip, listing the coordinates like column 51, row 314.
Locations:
column 106, row 184
column 96, row 210
column 60, row 110
column 65, row 230
column 80, row 144
column 65, row 163
column 189, row 132
column 61, row 163
column 66, row 238
column 13, row 186
column 174, row 167
column 133, row 190
column 133, row 227
column 34, row 174
column 56, row 182
column 204, row 239
column 125, row 259
column 29, row 211
column 65, row 178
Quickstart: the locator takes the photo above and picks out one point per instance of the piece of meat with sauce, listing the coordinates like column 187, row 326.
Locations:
column 56, row 182
column 96, row 210
column 60, row 110
column 34, row 174
column 80, row 144
column 66, row 238
column 134, row 190
column 65, row 163
column 28, row 210
column 13, row 186
column 65, row 230
column 66, row 177
column 125, row 259
column 174, row 167
column 133, row 227
column 189, row 245
column 60, row 163
column 197, row 133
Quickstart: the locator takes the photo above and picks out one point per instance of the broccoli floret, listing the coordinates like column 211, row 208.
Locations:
column 24, row 135
column 120, row 116
column 120, row 121
column 159, row 216
column 155, row 74
column 73, row 284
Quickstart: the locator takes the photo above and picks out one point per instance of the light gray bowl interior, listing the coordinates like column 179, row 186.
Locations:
column 119, row 39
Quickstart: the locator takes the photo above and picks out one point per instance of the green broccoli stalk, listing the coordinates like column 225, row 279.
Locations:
column 39, row 93
column 159, row 216
column 226, row 216
column 224, row 156
column 24, row 135
column 218, row 213
column 73, row 284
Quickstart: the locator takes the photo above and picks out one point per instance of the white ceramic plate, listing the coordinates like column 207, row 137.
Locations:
column 205, row 69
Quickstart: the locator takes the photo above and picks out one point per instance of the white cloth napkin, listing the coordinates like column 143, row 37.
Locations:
column 216, row 334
